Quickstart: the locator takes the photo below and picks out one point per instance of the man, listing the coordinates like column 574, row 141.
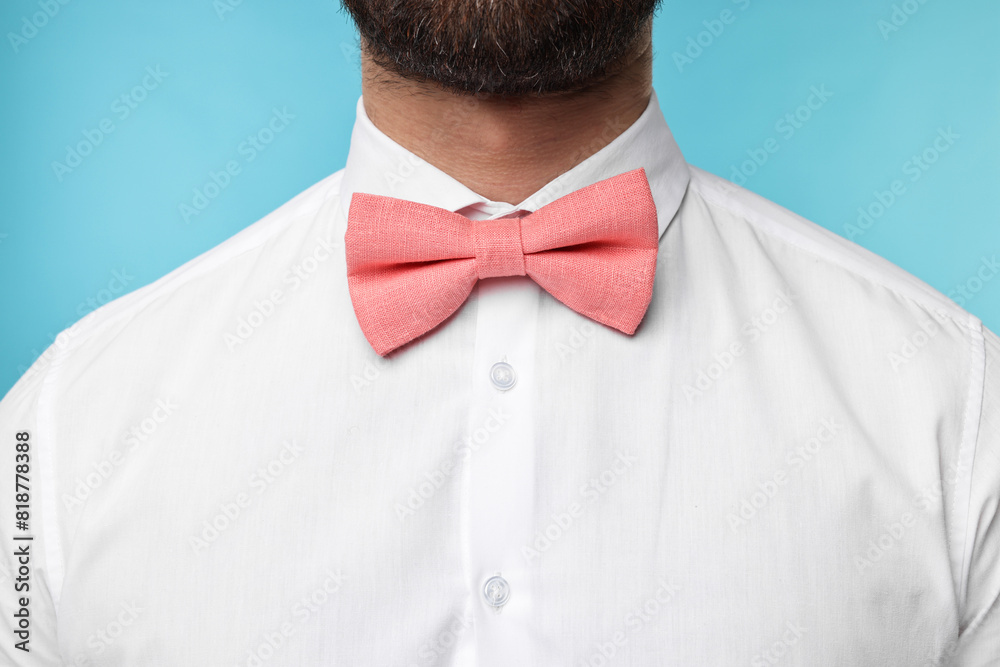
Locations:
column 517, row 386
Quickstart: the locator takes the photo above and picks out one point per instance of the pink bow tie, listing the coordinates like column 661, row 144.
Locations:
column 411, row 265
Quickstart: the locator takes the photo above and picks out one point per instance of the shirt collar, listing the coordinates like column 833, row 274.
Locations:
column 378, row 165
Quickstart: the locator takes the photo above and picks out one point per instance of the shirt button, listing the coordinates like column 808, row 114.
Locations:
column 502, row 375
column 496, row 591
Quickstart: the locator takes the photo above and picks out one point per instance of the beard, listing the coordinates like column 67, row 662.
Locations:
column 506, row 48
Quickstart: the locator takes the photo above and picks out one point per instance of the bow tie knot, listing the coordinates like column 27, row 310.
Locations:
column 499, row 251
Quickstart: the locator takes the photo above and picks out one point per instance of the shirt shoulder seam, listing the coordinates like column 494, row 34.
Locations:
column 965, row 459
column 918, row 294
column 915, row 293
column 46, row 434
column 46, row 429
column 203, row 264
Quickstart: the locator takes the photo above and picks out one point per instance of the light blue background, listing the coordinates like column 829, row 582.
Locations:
column 228, row 65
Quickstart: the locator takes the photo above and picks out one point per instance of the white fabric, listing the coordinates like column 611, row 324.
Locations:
column 795, row 460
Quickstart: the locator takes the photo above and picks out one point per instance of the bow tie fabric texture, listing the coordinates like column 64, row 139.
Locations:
column 410, row 266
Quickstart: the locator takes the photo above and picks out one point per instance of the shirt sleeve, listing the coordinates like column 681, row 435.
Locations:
column 28, row 625
column 979, row 637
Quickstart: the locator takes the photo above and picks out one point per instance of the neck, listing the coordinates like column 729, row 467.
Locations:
column 506, row 149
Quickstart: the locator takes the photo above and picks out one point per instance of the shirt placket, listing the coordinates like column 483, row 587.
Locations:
column 499, row 473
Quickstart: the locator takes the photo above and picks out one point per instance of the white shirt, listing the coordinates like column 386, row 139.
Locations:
column 794, row 461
